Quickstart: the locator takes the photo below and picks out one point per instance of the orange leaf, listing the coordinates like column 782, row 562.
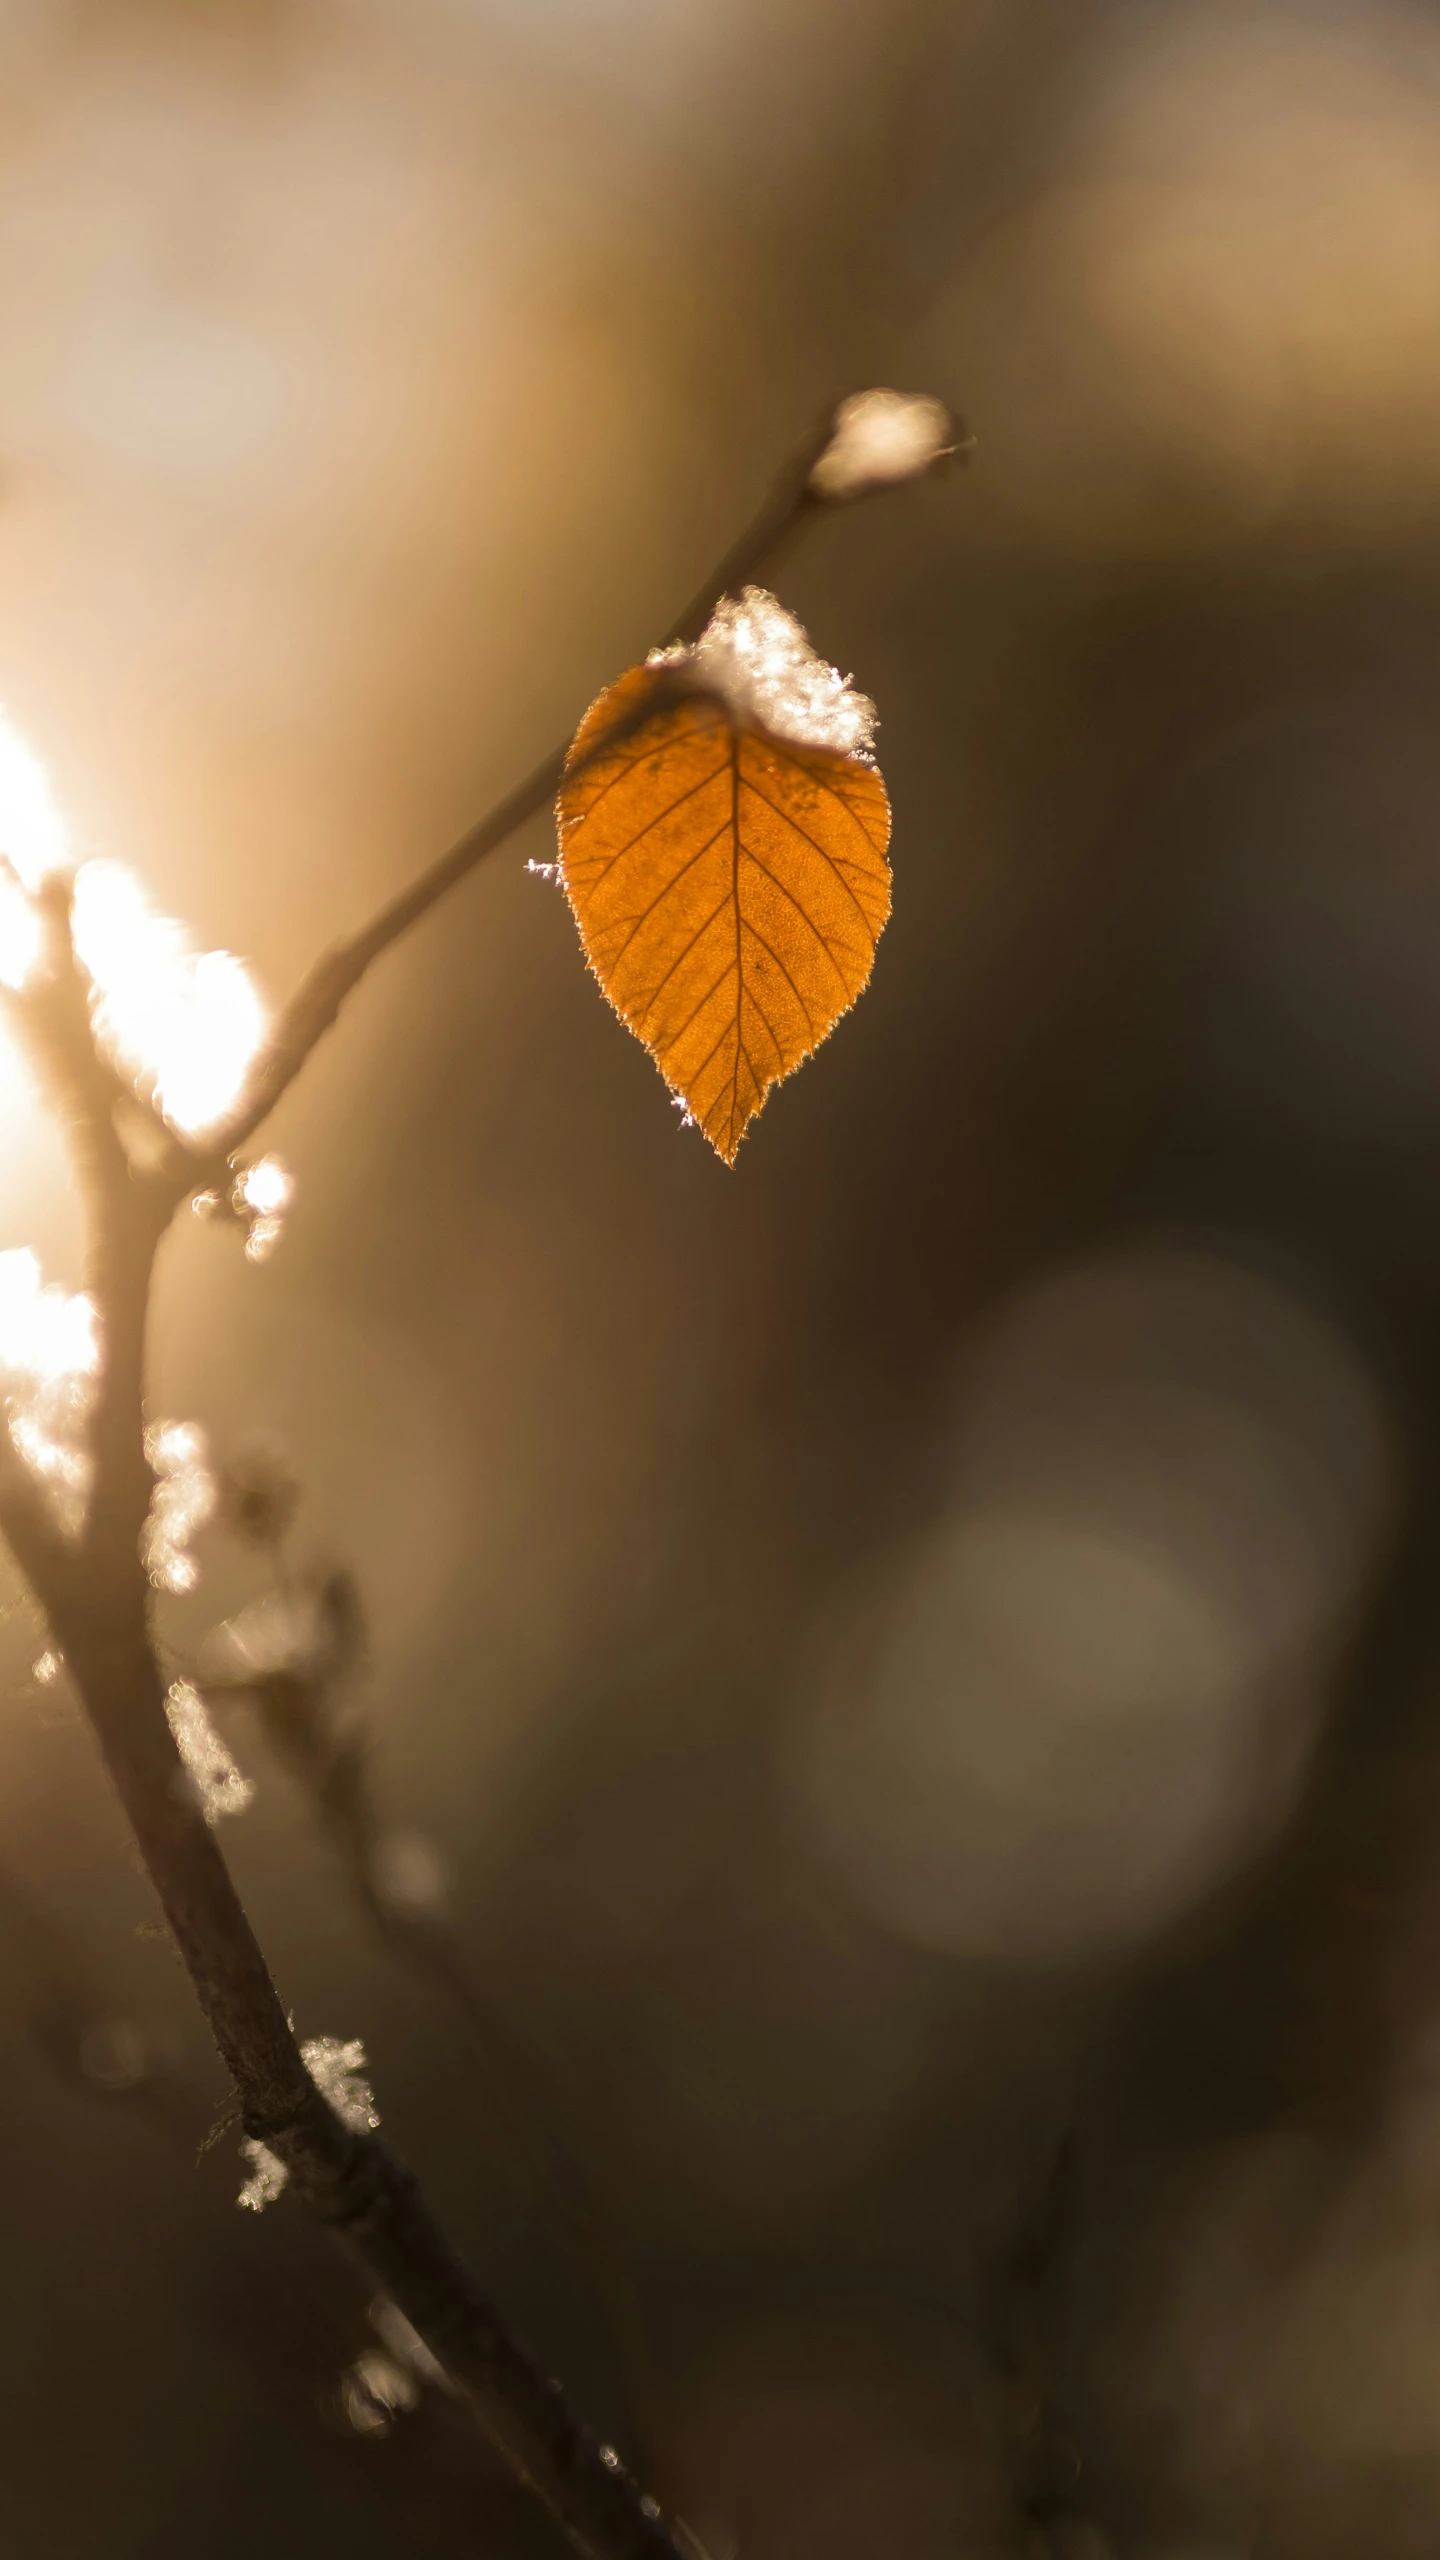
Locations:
column 730, row 887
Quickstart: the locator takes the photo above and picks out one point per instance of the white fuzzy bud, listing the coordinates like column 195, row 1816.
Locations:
column 882, row 437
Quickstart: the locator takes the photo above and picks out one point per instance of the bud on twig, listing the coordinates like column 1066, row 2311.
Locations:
column 882, row 438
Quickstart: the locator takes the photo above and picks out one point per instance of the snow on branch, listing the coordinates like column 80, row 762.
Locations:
column 337, row 2067
column 220, row 1785
column 184, row 1498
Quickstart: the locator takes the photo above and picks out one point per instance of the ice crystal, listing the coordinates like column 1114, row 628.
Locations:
column 337, row 2067
column 210, row 1764
column 268, row 2177
column 49, row 1361
column 882, row 437
column 338, row 2070
column 755, row 656
column 183, row 1500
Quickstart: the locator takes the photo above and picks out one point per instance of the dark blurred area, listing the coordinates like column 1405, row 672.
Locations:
column 913, row 1662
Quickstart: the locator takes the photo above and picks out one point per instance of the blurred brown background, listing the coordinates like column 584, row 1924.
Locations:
column 917, row 1655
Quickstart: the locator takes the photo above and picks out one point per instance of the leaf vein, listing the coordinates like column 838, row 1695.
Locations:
column 758, row 936
column 658, row 820
column 807, row 920
column 817, row 849
column 614, row 958
column 673, row 1038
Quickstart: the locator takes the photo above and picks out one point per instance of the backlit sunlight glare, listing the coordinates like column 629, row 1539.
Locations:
column 262, row 1196
column 21, row 934
column 49, row 1357
column 32, row 845
column 32, row 831
column 186, row 1024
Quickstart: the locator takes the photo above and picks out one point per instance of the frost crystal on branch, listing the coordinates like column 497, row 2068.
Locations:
column 183, row 1500
column 337, row 2067
column 268, row 2177
column 210, row 1764
column 882, row 437
column 756, row 657
column 338, row 2071
column 49, row 1360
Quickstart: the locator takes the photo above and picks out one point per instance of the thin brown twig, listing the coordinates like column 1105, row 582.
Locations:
column 96, row 1596
column 298, row 1707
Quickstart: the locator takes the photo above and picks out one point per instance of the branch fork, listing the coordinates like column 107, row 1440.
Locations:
column 134, row 1173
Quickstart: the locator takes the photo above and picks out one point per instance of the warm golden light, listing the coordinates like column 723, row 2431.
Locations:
column 32, row 844
column 49, row 1356
column 263, row 1194
column 20, row 935
column 186, row 1024
column 183, row 1501
column 33, row 838
column 46, row 1336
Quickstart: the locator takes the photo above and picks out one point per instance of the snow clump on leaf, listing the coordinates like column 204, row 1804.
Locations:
column 756, row 659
